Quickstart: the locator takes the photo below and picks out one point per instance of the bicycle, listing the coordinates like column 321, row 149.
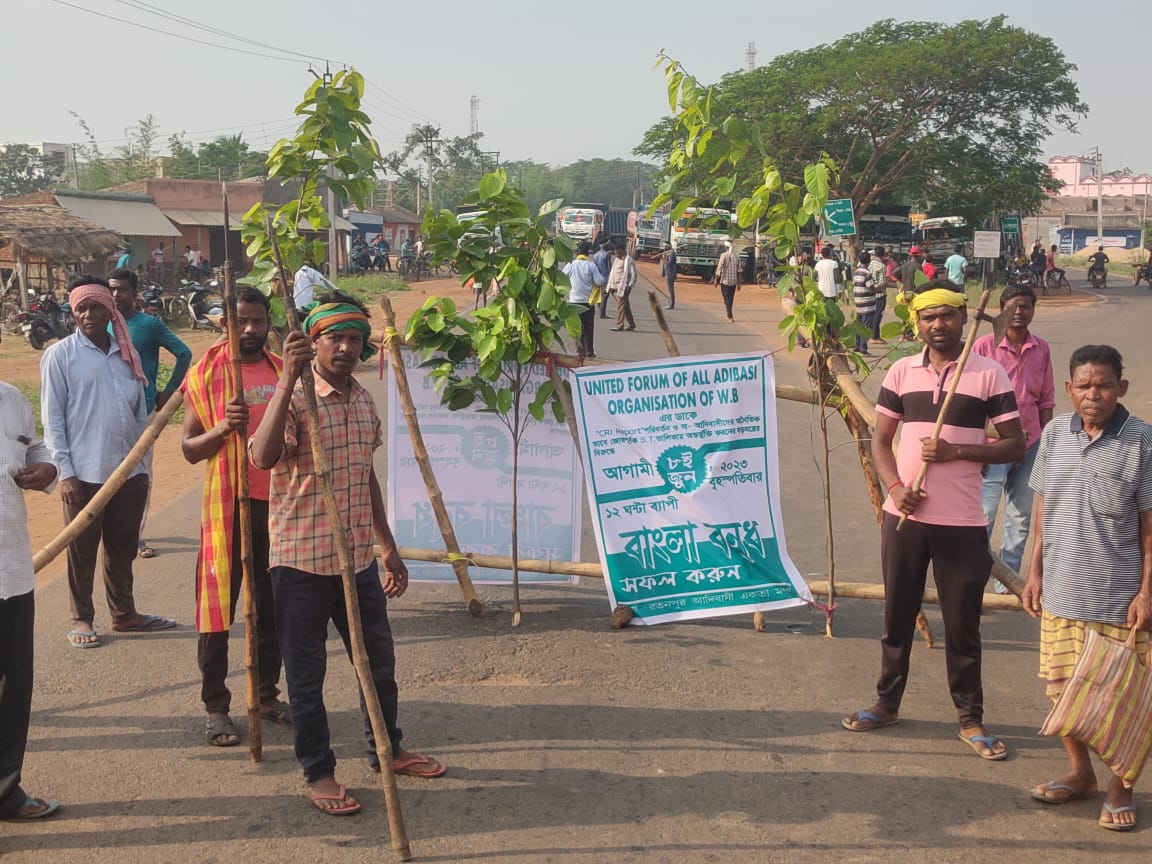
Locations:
column 1055, row 280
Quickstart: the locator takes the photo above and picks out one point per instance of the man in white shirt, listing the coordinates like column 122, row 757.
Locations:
column 303, row 283
column 25, row 464
column 827, row 272
column 94, row 410
column 620, row 282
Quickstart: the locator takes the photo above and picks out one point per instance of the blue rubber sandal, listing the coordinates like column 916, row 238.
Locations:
column 979, row 743
column 1116, row 811
column 49, row 809
column 870, row 719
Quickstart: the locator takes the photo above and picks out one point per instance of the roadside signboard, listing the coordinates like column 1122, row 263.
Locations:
column 986, row 244
column 682, row 471
column 471, row 452
column 840, row 218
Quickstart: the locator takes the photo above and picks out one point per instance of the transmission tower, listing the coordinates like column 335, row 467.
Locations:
column 475, row 103
column 750, row 56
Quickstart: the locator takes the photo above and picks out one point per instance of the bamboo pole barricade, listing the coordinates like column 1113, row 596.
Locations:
column 420, row 451
column 399, row 834
column 244, row 498
column 851, row 590
column 661, row 322
column 111, row 486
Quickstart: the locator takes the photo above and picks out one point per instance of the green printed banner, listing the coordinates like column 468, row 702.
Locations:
column 683, row 482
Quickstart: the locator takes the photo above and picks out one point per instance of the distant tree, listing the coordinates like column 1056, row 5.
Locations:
column 227, row 157
column 23, row 169
column 924, row 111
column 132, row 160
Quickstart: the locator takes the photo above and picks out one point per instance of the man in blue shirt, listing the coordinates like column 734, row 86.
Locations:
column 148, row 336
column 957, row 266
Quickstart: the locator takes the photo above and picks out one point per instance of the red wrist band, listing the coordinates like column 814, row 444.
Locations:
column 893, row 485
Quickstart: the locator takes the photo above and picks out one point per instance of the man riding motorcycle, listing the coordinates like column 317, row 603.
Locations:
column 1099, row 260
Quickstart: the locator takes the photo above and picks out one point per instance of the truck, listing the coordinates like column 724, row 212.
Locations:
column 698, row 237
column 650, row 234
column 582, row 221
column 620, row 226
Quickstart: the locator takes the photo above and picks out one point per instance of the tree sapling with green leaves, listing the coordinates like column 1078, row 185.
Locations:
column 487, row 355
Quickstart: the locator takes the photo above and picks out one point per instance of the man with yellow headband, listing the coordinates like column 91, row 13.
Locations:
column 945, row 519
column 308, row 591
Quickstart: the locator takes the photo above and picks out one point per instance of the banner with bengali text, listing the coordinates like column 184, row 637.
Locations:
column 682, row 471
column 471, row 454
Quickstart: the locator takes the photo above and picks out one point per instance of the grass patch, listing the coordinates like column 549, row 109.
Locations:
column 369, row 286
column 163, row 376
column 32, row 394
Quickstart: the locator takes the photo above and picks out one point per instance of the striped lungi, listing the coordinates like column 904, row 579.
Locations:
column 1062, row 640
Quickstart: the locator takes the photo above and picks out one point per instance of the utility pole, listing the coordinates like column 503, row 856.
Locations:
column 333, row 252
column 1099, row 197
column 430, row 137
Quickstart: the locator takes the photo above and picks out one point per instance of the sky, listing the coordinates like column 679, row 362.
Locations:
column 556, row 82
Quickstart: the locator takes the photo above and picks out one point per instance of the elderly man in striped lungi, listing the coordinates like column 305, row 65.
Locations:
column 1092, row 551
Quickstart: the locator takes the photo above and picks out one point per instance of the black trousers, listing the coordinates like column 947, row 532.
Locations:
column 670, row 284
column 961, row 565
column 587, row 329
column 118, row 529
column 305, row 603
column 212, row 648
column 17, row 615
column 728, row 292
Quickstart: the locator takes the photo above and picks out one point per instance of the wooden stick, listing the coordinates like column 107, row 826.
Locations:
column 244, row 498
column 111, row 486
column 960, row 364
column 662, row 323
column 399, row 833
column 420, row 451
column 851, row 590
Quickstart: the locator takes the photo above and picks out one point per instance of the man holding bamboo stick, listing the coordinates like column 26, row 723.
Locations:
column 214, row 414
column 305, row 565
column 945, row 524
column 93, row 408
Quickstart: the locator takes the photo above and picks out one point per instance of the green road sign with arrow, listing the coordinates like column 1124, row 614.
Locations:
column 839, row 218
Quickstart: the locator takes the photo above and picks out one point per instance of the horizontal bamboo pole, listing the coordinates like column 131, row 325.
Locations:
column 870, row 591
column 118, row 478
column 853, row 590
column 783, row 391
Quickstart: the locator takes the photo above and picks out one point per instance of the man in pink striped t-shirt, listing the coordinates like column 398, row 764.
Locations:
column 945, row 524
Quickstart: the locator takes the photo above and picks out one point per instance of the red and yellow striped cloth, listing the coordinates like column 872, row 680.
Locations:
column 207, row 389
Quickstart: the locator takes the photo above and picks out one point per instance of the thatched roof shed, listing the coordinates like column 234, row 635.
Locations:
column 52, row 234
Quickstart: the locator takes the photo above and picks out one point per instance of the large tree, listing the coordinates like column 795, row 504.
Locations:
column 948, row 115
column 23, row 169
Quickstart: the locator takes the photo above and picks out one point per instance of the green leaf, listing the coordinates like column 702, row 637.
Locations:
column 492, row 184
column 549, row 207
column 891, row 329
column 548, row 258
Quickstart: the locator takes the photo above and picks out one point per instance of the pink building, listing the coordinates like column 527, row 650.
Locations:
column 1078, row 175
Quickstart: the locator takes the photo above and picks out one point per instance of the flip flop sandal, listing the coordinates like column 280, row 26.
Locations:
column 47, row 808
column 981, row 742
column 74, row 640
column 217, row 731
column 410, row 767
column 148, row 624
column 346, row 808
column 1116, row 811
column 146, row 551
column 278, row 712
column 1074, row 794
column 873, row 721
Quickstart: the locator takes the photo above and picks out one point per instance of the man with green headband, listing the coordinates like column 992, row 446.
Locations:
column 302, row 556
column 945, row 524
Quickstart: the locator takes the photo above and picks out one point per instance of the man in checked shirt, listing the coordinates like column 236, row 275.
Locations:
column 308, row 591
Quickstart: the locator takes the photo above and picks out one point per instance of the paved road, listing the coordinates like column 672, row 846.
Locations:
column 569, row 742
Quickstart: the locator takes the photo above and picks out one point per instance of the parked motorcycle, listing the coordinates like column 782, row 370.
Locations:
column 204, row 303
column 46, row 319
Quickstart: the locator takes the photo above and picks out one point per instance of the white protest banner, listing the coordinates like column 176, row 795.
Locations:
column 683, row 481
column 471, row 453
